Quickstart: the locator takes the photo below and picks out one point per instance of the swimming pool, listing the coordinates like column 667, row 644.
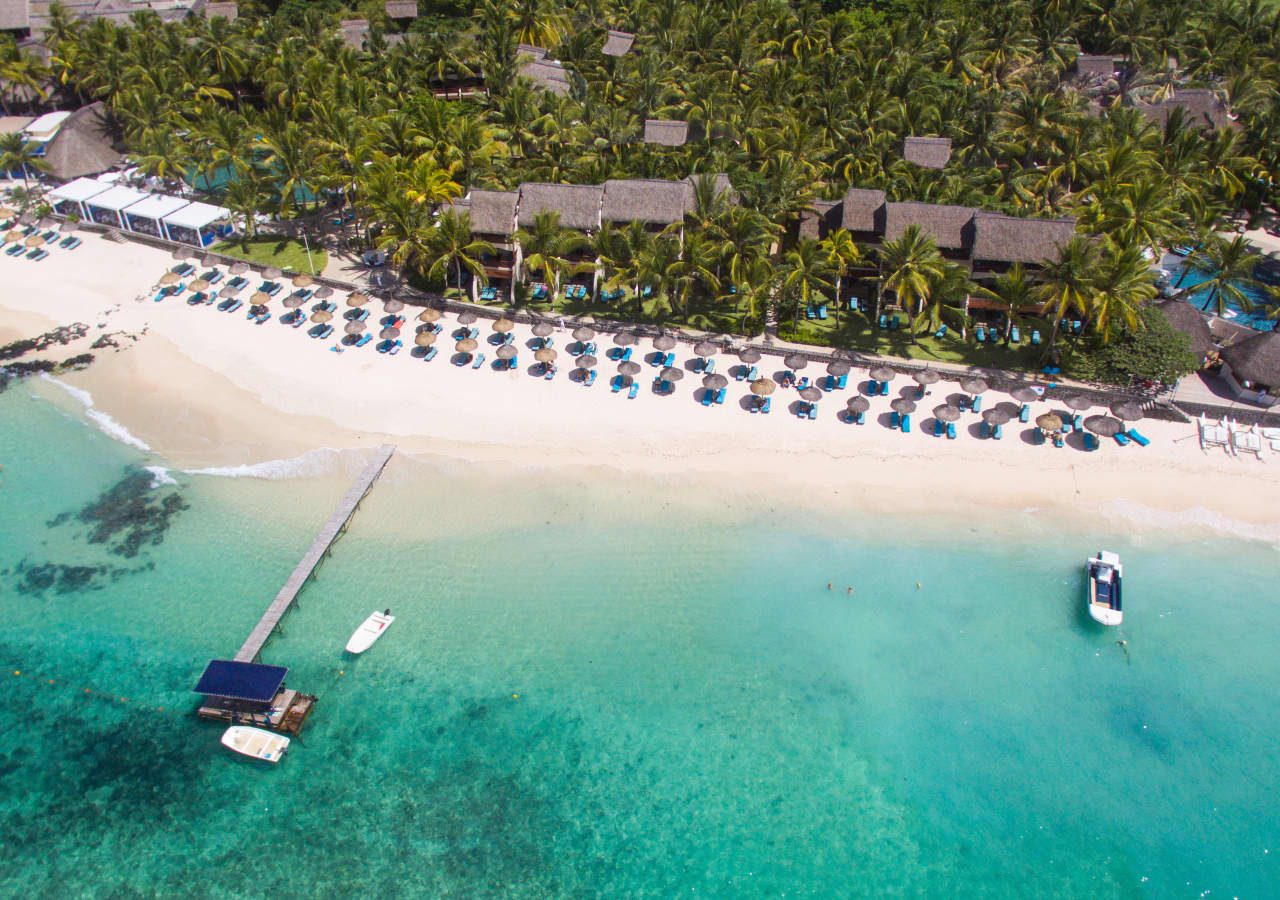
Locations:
column 1257, row 318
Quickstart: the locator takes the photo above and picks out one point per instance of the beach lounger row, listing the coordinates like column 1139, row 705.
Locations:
column 816, row 312
column 890, row 323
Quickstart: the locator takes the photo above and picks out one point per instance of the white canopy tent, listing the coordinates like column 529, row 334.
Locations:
column 108, row 207
column 145, row 215
column 198, row 224
column 68, row 200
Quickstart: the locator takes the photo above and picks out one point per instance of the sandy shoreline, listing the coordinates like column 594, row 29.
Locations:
column 204, row 388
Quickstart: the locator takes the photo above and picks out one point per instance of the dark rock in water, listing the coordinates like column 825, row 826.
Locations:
column 62, row 335
column 130, row 514
column 63, row 579
column 23, row 369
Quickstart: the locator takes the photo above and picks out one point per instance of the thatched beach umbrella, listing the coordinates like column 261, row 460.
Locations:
column 392, row 306
column 231, row 290
column 170, row 278
column 974, row 385
column 1126, row 410
column 34, row 241
column 321, row 316
column 507, row 351
column 272, row 272
column 429, row 315
column 546, row 356
column 672, row 373
column 1104, row 426
column 582, row 333
column 7, row 212
column 542, row 329
column 303, row 281
column 390, row 333
column 795, row 361
column 1023, row 394
column 946, row 413
column 199, row 284
column 763, row 387
column 624, row 338
column 180, row 253
column 664, row 342
column 357, row 299
column 811, row 394
column 714, row 382
column 323, row 292
column 903, row 406
column 927, row 377
column 259, row 298
column 838, row 367
column 749, row 355
column 425, row 338
column 995, row 416
column 68, row 227
column 1077, row 402
column 882, row 373
column 858, row 404
column 705, row 349
column 466, row 345
column 14, row 235
column 238, row 268
column 1049, row 421
column 466, row 317
column 586, row 361
column 290, row 302
column 628, row 368
column 503, row 325
column 354, row 328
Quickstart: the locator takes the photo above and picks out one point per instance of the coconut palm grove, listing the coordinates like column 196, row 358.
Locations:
column 905, row 177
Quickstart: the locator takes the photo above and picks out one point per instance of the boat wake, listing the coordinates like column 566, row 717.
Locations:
column 105, row 423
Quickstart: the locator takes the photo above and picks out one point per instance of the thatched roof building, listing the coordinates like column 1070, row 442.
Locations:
column 820, row 219
column 649, row 200
column 1091, row 67
column 577, row 204
column 15, row 15
column 1256, row 360
column 401, row 9
column 117, row 11
column 665, row 132
column 548, row 74
column 493, row 213
column 863, row 211
column 617, row 43
column 1200, row 107
column 354, row 32
column 84, row 145
column 228, row 11
column 1000, row 238
column 949, row 226
column 927, row 152
column 1187, row 319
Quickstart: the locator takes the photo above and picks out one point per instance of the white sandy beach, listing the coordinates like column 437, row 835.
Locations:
column 204, row 388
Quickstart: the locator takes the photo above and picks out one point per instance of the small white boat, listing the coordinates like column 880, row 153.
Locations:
column 256, row 742
column 1104, row 588
column 369, row 631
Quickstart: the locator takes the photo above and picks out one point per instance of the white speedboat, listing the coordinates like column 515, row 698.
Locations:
column 369, row 631
column 1104, row 588
column 256, row 742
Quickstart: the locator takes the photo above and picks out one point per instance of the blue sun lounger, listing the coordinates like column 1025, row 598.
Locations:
column 720, row 395
column 707, row 396
column 1015, row 334
column 951, row 431
column 980, row 334
column 1122, row 439
column 997, row 432
column 1035, row 337
column 70, row 242
column 634, row 391
column 976, row 406
column 1090, row 442
column 590, row 379
column 939, row 428
column 1138, row 438
column 884, row 389
column 894, row 419
column 1024, row 414
column 426, row 357
column 479, row 361
column 906, row 422
column 766, row 405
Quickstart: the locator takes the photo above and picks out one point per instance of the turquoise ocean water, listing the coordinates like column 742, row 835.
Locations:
column 598, row 689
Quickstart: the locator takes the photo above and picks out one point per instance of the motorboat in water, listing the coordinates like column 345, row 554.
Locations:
column 256, row 742
column 369, row 631
column 1104, row 588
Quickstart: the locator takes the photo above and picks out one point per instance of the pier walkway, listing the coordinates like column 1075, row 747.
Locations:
column 270, row 621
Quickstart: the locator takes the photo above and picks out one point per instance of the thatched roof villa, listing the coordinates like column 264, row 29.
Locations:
column 617, row 43
column 665, row 132
column 655, row 202
column 927, row 152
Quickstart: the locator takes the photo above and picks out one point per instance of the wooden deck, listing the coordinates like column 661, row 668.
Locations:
column 288, row 595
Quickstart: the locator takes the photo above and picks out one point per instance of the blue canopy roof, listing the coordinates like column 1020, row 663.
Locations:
column 241, row 680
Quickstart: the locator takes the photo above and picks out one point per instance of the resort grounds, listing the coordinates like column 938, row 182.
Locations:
column 202, row 387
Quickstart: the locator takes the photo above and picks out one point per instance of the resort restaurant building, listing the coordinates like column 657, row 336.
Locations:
column 70, row 198
column 198, row 224
column 145, row 216
column 108, row 207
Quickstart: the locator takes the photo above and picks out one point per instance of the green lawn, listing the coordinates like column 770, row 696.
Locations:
column 275, row 251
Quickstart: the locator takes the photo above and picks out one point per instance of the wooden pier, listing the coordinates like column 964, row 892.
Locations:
column 251, row 650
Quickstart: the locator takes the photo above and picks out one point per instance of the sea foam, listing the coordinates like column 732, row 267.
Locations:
column 105, row 423
column 313, row 463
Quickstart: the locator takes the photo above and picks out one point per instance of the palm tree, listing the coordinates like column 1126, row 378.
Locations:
column 547, row 246
column 1121, row 286
column 247, row 194
column 1227, row 267
column 1066, row 283
column 17, row 154
column 806, row 272
column 1016, row 291
column 844, row 255
column 450, row 245
column 910, row 266
column 944, row 304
